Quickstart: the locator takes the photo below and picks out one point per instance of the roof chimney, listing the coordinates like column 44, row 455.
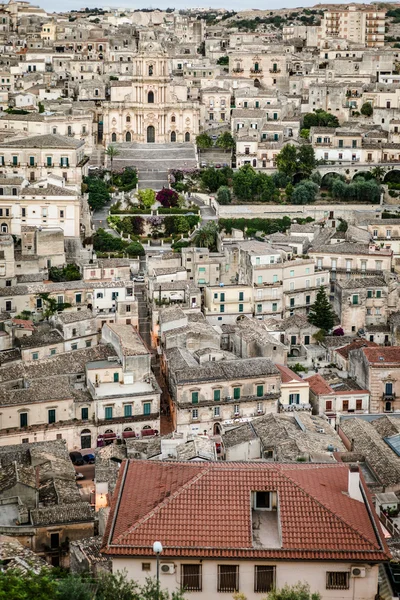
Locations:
column 354, row 483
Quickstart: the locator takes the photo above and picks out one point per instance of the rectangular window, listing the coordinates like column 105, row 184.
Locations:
column 15, row 161
column 274, row 306
column 51, row 415
column 259, row 308
column 228, row 578
column 337, row 580
column 195, row 397
column 264, row 578
column 222, row 308
column 31, row 161
column 195, row 414
column 369, row 294
column 222, row 297
column 128, row 410
column 241, row 296
column 328, row 405
column 240, row 307
column 294, row 398
column 216, row 411
column 49, row 161
column 146, row 408
column 54, row 540
column 78, row 298
column 345, row 405
column 260, row 390
column 259, row 279
column 108, row 412
column 53, row 351
column 355, row 299
column 23, row 419
column 84, row 414
column 191, row 578
column 35, row 355
column 116, row 377
column 378, row 293
column 358, row 404
column 217, row 395
column 236, row 393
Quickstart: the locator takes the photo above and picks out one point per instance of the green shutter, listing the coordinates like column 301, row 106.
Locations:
column 260, row 390
column 147, row 408
column 84, row 414
column 195, row 397
column 236, row 393
column 217, row 394
column 128, row 410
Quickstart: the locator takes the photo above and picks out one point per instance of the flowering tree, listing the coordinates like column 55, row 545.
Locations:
column 167, row 198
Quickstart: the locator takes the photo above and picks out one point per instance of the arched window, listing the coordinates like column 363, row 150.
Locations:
column 69, row 130
column 173, row 136
column 113, row 137
column 173, row 119
column 187, row 137
column 86, row 438
column 254, row 162
column 128, row 429
column 4, row 228
column 150, row 70
column 128, row 137
column 128, row 119
column 388, row 407
column 150, row 97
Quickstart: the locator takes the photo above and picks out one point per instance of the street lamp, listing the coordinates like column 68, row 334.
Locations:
column 157, row 549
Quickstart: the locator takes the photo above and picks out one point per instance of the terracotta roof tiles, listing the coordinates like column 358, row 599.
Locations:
column 383, row 355
column 204, row 510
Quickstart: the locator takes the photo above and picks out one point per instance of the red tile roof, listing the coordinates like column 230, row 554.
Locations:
column 359, row 343
column 383, row 355
column 288, row 375
column 318, row 385
column 203, row 510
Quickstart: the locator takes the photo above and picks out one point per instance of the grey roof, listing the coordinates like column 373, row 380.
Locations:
column 171, row 313
column 74, row 317
column 227, row 370
column 40, row 338
column 44, row 141
column 239, row 435
column 63, row 513
column 362, row 282
column 343, row 248
column 48, row 190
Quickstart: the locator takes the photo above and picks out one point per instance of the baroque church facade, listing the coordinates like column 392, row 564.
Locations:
column 150, row 107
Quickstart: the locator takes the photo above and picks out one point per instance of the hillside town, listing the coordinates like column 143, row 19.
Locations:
column 200, row 303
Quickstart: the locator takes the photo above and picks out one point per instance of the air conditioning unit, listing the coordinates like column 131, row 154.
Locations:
column 167, row 568
column 137, row 455
column 320, row 430
column 358, row 571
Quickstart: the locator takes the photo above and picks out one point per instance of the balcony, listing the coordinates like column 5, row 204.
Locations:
column 389, row 397
column 294, row 407
column 256, row 72
column 132, row 419
column 274, row 70
column 237, row 70
column 229, row 400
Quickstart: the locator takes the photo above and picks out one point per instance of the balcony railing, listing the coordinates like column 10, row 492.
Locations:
column 386, row 396
column 274, row 70
column 256, row 71
column 237, row 70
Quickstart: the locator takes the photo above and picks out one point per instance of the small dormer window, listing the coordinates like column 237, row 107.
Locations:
column 262, row 500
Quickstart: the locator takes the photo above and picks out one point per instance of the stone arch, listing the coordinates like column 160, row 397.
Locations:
column 392, row 176
column 187, row 137
column 257, row 83
column 86, row 438
column 150, row 97
column 4, row 228
column 128, row 136
column 113, row 137
column 173, row 136
column 151, row 134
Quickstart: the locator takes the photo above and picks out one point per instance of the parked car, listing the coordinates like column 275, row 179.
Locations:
column 203, row 165
column 89, row 459
column 138, row 278
column 218, row 166
column 76, row 458
column 79, row 476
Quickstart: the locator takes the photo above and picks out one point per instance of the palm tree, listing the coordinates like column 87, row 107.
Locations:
column 378, row 173
column 206, row 237
column 112, row 152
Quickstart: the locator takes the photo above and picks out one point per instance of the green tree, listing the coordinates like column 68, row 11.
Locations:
column 367, row 109
column 19, row 585
column 304, row 192
column 339, row 189
column 74, row 587
column 226, row 141
column 378, row 173
column 243, row 182
column 112, row 152
column 51, row 306
column 203, row 141
column 105, row 242
column 321, row 313
column 135, row 249
column 207, row 236
column 320, row 118
column 286, row 160
column 224, row 195
column 98, row 192
column 305, row 133
column 306, row 159
column 212, row 179
column 41, row 107
column 69, row 273
column 146, row 197
column 223, row 60
column 299, row 591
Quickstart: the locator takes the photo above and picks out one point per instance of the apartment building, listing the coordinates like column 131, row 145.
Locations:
column 310, row 496
column 361, row 26
column 40, row 156
column 360, row 303
column 213, row 394
column 226, row 303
